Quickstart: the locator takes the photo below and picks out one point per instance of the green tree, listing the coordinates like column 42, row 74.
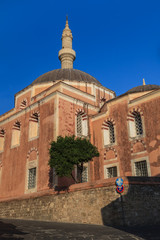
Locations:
column 68, row 152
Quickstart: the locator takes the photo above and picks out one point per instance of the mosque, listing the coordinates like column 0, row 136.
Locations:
column 66, row 101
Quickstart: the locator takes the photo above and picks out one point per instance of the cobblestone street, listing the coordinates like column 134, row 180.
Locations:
column 28, row 230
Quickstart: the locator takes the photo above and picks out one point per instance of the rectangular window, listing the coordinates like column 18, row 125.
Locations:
column 111, row 172
column 141, row 168
column 31, row 178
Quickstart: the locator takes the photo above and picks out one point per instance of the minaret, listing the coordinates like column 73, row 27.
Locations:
column 67, row 55
column 144, row 82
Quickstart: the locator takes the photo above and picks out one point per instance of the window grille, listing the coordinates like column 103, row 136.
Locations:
column 111, row 172
column 85, row 174
column 79, row 124
column 108, row 133
column 111, row 133
column 138, row 123
column 82, row 176
column 141, row 168
column 32, row 178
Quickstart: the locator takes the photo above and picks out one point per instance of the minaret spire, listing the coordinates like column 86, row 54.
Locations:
column 144, row 82
column 67, row 55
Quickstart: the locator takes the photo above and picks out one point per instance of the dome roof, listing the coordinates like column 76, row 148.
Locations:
column 65, row 74
column 143, row 88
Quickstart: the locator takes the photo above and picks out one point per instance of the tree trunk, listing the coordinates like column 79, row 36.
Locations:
column 74, row 178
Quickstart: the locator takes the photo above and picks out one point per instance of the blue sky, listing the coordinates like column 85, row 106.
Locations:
column 117, row 42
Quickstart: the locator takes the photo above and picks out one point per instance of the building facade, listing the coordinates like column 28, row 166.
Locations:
column 67, row 101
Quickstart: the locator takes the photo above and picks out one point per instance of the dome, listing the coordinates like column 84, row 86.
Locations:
column 143, row 88
column 66, row 74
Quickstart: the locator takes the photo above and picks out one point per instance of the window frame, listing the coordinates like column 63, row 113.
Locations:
column 30, row 137
column 106, row 130
column 29, row 165
column 85, row 165
column 131, row 120
column 84, row 125
column 133, row 161
column 29, row 176
column 14, row 130
column 111, row 166
column 3, row 135
column 79, row 121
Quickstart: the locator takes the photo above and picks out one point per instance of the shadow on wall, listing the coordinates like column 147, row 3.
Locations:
column 7, row 231
column 139, row 207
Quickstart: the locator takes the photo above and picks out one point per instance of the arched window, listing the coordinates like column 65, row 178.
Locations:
column 108, row 132
column 81, row 124
column 2, row 135
column 135, row 124
column 16, row 131
column 31, row 170
column 33, row 125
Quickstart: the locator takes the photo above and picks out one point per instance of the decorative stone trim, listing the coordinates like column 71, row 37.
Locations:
column 32, row 149
column 108, row 149
column 2, row 131
column 102, row 99
column 81, row 112
column 130, row 115
column 17, row 125
column 23, row 104
column 34, row 113
column 105, row 124
column 136, row 141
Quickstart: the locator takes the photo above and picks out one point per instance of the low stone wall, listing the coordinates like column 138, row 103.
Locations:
column 140, row 204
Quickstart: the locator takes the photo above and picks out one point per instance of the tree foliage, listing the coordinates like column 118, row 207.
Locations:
column 69, row 151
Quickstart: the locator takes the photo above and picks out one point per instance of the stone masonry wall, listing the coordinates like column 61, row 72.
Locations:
column 98, row 205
